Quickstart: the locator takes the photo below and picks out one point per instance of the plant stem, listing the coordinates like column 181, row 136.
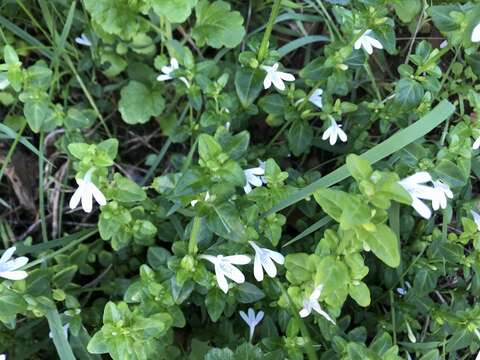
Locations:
column 262, row 52
column 194, row 233
column 392, row 311
column 41, row 195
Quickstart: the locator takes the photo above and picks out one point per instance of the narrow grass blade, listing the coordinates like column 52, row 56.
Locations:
column 312, row 228
column 59, row 339
column 301, row 42
column 26, row 36
column 402, row 138
column 52, row 244
column 13, row 135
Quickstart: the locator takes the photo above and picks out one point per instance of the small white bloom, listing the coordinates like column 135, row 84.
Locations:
column 9, row 268
column 254, row 177
column 333, row 132
column 403, row 291
column 442, row 192
column 194, row 202
column 367, row 42
column 263, row 260
column 476, row 218
column 252, row 320
column 316, row 98
column 476, row 33
column 415, row 186
column 224, row 268
column 167, row 70
column 476, row 144
column 65, row 331
column 3, row 357
column 312, row 304
column 276, row 77
column 443, row 44
column 85, row 191
column 83, row 40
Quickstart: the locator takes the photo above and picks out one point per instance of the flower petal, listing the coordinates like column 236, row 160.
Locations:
column 476, row 33
column 238, row 259
column 86, row 199
column 257, row 268
column 304, row 312
column 221, row 280
column 7, row 254
column 476, row 144
column 97, row 194
column 267, row 82
column 269, row 267
column 276, row 256
column 13, row 275
column 278, row 82
column 421, row 208
column 259, row 317
column 342, row 135
column 285, row 76
column 244, row 317
column 17, row 263
column 375, row 43
column 233, row 273
column 76, row 197
column 163, row 77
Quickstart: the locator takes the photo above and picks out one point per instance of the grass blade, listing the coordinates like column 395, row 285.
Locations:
column 402, row 138
column 301, row 42
column 59, row 339
column 312, row 228
column 26, row 36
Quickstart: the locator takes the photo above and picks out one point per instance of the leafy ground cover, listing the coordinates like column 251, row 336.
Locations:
column 210, row 179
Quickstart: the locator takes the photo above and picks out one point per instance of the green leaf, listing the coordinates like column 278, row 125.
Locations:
column 359, row 168
column 138, row 103
column 125, row 190
column 297, row 268
column 299, row 137
column 451, row 173
column 248, row 84
column 248, row 293
column 11, row 303
column 247, row 351
column 217, row 26
column 208, row 147
column 333, row 275
column 360, row 294
column 384, row 244
column 215, row 303
column 408, row 93
column 219, row 354
column 36, row 113
column 175, row 11
column 442, row 20
column 225, row 222
column 406, row 10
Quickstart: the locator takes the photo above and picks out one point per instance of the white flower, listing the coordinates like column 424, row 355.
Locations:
column 443, row 44
column 476, row 33
column 9, row 268
column 403, row 291
column 415, row 186
column 194, row 202
column 83, row 40
column 367, row 42
column 442, row 192
column 85, row 191
column 312, row 304
column 333, row 132
column 476, row 218
column 254, row 177
column 263, row 260
column 65, row 331
column 476, row 144
column 224, row 268
column 316, row 98
column 3, row 357
column 252, row 320
column 276, row 77
column 167, row 70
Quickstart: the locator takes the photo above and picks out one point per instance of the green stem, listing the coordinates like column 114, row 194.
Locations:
column 6, row 161
column 262, row 52
column 372, row 79
column 194, row 233
column 41, row 195
column 392, row 310
column 329, row 20
column 311, row 353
